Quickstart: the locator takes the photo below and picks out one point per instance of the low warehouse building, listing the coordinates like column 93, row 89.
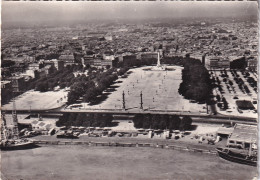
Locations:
column 244, row 137
column 245, row 105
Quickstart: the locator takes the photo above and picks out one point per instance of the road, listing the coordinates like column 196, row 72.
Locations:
column 223, row 119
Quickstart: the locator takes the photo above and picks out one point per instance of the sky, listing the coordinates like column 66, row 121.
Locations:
column 25, row 11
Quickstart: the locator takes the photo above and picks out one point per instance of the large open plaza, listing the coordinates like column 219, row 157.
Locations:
column 159, row 92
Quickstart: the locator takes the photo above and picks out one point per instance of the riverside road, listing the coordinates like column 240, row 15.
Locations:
column 196, row 117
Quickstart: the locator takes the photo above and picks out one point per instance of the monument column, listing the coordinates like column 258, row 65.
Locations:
column 141, row 95
column 158, row 60
column 123, row 95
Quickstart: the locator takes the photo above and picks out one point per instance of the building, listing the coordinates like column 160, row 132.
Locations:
column 107, row 64
column 110, row 57
column 149, row 55
column 58, row 64
column 6, row 85
column 35, row 66
column 6, row 91
column 108, row 38
column 68, row 59
column 219, row 63
column 252, row 64
column 97, row 63
column 224, row 63
column 128, row 60
column 244, row 136
column 213, row 63
column 94, row 61
column 196, row 56
column 203, row 59
column 245, row 105
column 18, row 83
column 48, row 69
column 88, row 59
column 31, row 73
column 225, row 131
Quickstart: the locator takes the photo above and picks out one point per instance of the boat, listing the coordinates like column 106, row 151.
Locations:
column 238, row 156
column 10, row 139
column 18, row 144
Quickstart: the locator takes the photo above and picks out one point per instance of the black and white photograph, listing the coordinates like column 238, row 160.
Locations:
column 129, row 90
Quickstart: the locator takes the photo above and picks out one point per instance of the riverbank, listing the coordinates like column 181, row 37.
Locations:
column 129, row 142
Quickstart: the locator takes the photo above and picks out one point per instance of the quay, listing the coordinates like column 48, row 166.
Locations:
column 126, row 144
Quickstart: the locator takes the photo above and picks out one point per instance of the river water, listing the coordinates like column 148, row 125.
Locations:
column 122, row 163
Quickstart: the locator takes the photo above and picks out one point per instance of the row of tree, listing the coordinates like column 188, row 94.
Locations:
column 92, row 86
column 146, row 121
column 85, row 120
column 63, row 78
column 162, row 121
column 196, row 84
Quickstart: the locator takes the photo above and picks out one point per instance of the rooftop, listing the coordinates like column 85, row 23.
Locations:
column 243, row 104
column 244, row 132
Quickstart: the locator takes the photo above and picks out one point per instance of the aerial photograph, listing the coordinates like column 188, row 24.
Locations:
column 129, row 90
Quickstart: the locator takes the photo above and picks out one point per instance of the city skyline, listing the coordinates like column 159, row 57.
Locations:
column 42, row 12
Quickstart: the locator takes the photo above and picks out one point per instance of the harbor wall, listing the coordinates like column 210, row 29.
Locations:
column 136, row 145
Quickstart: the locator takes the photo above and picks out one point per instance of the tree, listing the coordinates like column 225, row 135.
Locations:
column 7, row 63
column 147, row 121
column 90, row 95
column 79, row 119
column 163, row 121
column 107, row 120
column 196, row 83
column 87, row 67
column 155, row 121
column 62, row 85
column 218, row 97
column 185, row 123
column 72, row 97
column 138, row 120
column 42, row 86
column 174, row 122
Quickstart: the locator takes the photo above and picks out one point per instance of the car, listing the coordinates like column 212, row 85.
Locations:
column 235, row 97
column 239, row 110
